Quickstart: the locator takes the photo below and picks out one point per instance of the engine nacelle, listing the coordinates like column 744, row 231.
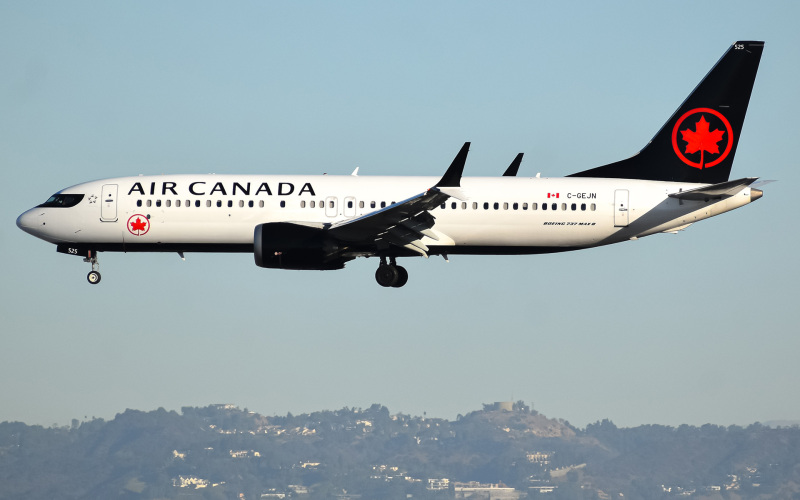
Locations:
column 283, row 245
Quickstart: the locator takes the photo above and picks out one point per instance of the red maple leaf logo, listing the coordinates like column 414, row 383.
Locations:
column 138, row 225
column 700, row 139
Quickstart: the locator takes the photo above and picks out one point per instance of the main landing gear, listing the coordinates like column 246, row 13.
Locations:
column 94, row 276
column 391, row 275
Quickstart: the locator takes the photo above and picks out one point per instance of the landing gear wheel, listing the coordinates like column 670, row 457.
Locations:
column 94, row 276
column 386, row 275
column 402, row 277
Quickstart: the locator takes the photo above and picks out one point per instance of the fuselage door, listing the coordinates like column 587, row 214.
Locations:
column 331, row 209
column 108, row 203
column 349, row 207
column 620, row 208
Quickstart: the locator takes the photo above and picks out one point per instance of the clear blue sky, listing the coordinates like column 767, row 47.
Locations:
column 694, row 328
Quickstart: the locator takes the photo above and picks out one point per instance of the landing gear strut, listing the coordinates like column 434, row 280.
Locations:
column 390, row 274
column 94, row 276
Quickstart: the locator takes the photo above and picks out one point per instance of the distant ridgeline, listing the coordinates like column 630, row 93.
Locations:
column 504, row 451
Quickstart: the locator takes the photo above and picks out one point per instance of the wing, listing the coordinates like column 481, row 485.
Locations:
column 407, row 222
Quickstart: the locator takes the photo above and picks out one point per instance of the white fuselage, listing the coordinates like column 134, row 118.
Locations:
column 500, row 215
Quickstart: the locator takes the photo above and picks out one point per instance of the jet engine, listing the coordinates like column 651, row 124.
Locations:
column 286, row 245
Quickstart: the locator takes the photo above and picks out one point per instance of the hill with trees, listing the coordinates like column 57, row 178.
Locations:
column 502, row 451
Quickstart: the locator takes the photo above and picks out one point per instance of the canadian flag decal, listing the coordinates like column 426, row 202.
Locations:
column 552, row 195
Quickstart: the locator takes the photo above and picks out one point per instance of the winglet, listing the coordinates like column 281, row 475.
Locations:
column 452, row 178
column 512, row 169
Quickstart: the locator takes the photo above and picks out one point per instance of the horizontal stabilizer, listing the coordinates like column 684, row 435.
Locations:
column 715, row 191
column 762, row 183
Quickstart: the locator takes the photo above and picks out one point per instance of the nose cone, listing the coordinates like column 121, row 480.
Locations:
column 28, row 221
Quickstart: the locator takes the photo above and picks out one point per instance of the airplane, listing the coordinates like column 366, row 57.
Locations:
column 321, row 222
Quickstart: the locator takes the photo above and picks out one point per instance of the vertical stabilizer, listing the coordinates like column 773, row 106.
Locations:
column 698, row 142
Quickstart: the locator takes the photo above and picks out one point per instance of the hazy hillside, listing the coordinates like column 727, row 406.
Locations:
column 221, row 451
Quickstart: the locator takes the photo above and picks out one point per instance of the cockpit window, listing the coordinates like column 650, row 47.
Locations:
column 63, row 200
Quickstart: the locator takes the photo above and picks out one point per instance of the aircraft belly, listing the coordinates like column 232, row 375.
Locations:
column 543, row 233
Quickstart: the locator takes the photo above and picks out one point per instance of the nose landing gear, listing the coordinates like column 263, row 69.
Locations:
column 94, row 275
column 390, row 274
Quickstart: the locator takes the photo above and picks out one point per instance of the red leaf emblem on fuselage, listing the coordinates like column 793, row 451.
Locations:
column 138, row 224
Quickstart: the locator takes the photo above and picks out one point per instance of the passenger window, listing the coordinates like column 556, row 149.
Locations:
column 474, row 205
column 583, row 207
column 454, row 205
column 515, row 206
column 169, row 203
column 534, row 206
column 574, row 207
column 360, row 204
column 149, row 203
column 197, row 203
column 219, row 203
column 505, row 206
column 544, row 206
column 383, row 204
column 349, row 203
column 443, row 205
column 303, row 204
column 463, row 205
column 372, row 204
column 188, row 203
column 208, row 203
column 563, row 206
column 592, row 207
column 524, row 206
column 138, row 203
column 283, row 203
column 486, row 205
column 250, row 203
column 178, row 203
column 158, row 203
column 330, row 204
column 496, row 206
column 260, row 204
column 554, row 206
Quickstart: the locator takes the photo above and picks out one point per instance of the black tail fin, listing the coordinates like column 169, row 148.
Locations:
column 698, row 142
